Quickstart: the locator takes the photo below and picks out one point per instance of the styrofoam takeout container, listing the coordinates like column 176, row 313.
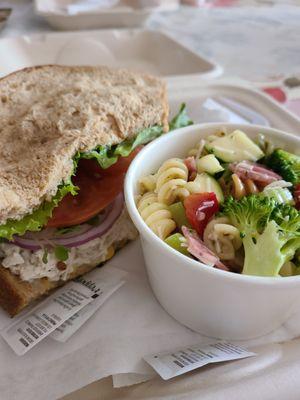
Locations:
column 143, row 50
column 90, row 16
column 213, row 302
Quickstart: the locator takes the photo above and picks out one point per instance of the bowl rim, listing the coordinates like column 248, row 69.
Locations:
column 144, row 230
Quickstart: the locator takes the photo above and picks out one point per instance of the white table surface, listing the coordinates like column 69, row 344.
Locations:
column 259, row 44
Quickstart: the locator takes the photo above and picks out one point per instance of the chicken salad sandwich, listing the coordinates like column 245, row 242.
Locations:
column 67, row 137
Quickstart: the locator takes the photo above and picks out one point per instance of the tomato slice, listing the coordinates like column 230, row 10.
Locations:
column 297, row 196
column 199, row 208
column 98, row 188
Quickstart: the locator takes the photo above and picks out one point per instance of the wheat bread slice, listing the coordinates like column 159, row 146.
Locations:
column 49, row 113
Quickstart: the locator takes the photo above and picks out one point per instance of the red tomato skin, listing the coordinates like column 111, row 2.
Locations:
column 97, row 189
column 199, row 209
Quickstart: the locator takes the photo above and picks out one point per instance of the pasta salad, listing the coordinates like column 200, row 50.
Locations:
column 232, row 203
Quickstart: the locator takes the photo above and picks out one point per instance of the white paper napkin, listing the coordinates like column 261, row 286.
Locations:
column 128, row 326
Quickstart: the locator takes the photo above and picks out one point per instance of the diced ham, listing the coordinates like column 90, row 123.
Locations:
column 256, row 172
column 222, row 266
column 191, row 165
column 297, row 196
column 198, row 249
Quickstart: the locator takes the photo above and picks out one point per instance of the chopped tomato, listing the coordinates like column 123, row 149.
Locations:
column 199, row 208
column 97, row 189
column 297, row 196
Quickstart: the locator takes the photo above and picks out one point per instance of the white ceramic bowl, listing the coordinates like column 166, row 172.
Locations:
column 213, row 302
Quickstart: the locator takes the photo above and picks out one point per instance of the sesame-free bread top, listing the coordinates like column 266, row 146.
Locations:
column 48, row 113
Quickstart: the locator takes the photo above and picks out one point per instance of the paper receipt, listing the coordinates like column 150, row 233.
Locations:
column 180, row 361
column 28, row 330
column 69, row 327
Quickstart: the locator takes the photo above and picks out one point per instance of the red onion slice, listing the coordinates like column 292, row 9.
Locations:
column 111, row 214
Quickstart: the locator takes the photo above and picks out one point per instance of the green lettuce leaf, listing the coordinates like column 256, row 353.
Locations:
column 181, row 119
column 105, row 156
column 109, row 155
column 38, row 218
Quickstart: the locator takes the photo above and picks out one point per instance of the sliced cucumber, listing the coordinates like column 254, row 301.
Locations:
column 204, row 183
column 210, row 164
column 178, row 214
column 281, row 195
column 235, row 147
column 176, row 240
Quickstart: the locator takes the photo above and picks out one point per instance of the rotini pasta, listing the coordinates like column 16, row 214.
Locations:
column 156, row 215
column 147, row 183
column 171, row 181
column 222, row 238
column 194, row 186
column 240, row 189
column 250, row 187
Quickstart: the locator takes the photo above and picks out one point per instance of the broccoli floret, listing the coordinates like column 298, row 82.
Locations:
column 270, row 232
column 285, row 164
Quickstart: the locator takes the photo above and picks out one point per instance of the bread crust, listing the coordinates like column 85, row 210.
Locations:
column 16, row 294
column 49, row 113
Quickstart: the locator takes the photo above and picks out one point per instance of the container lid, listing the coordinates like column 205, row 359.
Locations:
column 144, row 50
